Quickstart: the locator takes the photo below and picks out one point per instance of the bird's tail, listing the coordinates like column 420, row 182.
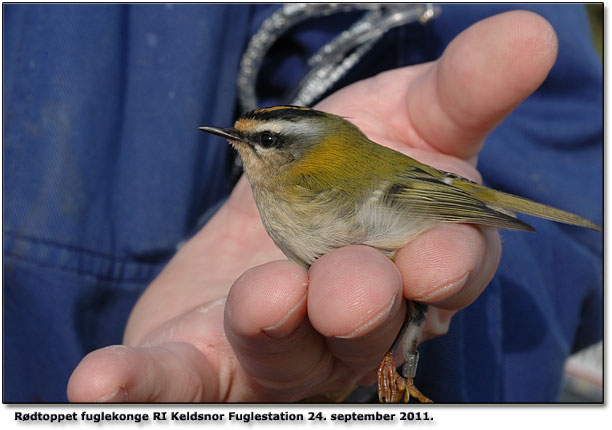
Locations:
column 507, row 202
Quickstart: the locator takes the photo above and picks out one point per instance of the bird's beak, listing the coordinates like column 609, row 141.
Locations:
column 229, row 133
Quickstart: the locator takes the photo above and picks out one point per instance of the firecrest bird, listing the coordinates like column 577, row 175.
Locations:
column 319, row 184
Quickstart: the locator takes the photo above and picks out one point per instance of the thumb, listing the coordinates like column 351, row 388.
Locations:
column 483, row 74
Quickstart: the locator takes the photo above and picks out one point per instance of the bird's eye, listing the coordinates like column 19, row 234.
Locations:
column 267, row 139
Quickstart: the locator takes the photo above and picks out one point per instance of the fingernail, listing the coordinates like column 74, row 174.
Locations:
column 119, row 395
column 276, row 331
column 446, row 290
column 381, row 315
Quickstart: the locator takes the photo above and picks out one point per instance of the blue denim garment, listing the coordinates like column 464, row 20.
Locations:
column 105, row 172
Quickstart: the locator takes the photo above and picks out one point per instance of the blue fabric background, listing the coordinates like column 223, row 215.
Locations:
column 105, row 172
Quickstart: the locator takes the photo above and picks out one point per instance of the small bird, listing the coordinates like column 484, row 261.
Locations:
column 319, row 184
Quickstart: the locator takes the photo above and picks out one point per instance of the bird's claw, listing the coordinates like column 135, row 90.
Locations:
column 392, row 387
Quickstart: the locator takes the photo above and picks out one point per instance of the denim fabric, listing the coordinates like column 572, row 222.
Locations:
column 105, row 173
column 105, row 170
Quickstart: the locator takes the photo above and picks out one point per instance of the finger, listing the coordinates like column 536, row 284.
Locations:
column 483, row 74
column 450, row 265
column 266, row 326
column 454, row 102
column 355, row 300
column 175, row 372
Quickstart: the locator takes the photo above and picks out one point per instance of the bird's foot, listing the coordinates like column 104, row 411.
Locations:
column 392, row 387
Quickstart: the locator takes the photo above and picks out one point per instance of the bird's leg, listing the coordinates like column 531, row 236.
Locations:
column 391, row 385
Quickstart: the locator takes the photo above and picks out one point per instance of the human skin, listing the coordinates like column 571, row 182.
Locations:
column 230, row 319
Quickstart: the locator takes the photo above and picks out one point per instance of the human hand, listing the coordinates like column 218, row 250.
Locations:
column 279, row 333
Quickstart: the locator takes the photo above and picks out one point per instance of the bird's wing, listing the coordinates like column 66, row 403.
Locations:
column 422, row 194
